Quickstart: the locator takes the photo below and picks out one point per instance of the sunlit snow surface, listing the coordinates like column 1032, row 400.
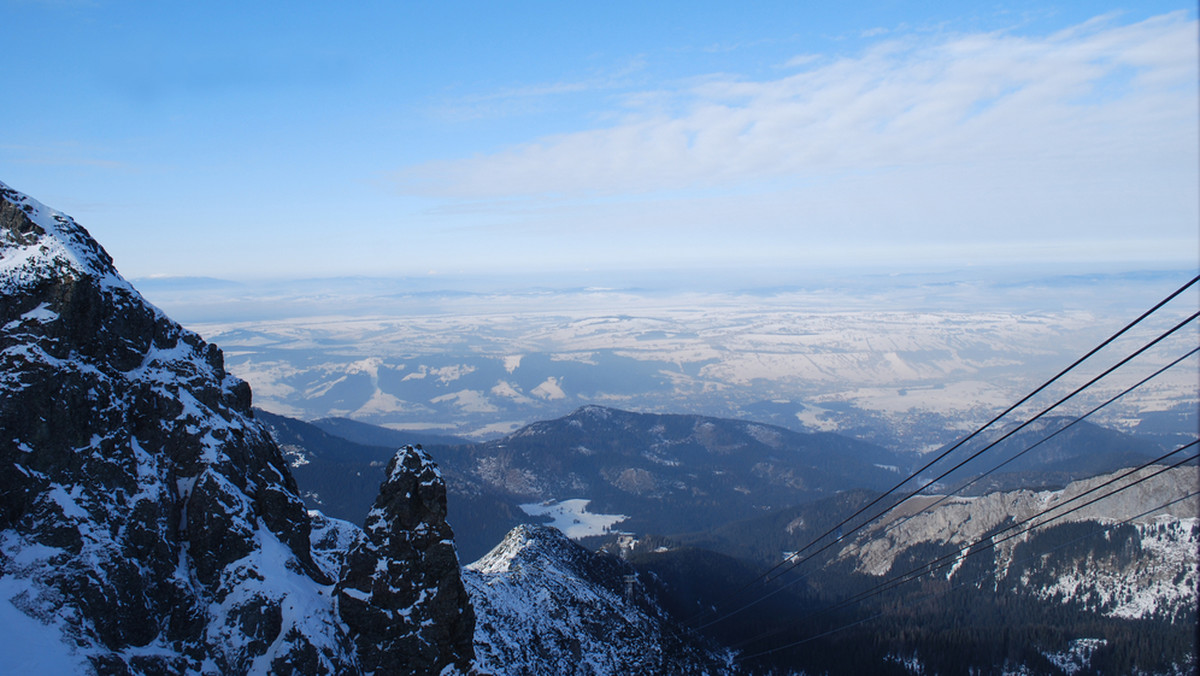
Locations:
column 572, row 518
column 544, row 605
column 32, row 646
column 63, row 249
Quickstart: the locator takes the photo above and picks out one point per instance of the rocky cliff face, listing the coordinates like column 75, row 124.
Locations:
column 1143, row 564
column 548, row 606
column 148, row 524
column 403, row 570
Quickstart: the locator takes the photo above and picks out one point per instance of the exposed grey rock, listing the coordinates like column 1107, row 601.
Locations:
column 331, row 539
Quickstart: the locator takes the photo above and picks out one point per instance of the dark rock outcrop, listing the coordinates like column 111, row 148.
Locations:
column 400, row 593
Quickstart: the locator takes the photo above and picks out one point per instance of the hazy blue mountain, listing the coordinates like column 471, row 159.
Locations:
column 374, row 435
column 1049, row 453
column 670, row 473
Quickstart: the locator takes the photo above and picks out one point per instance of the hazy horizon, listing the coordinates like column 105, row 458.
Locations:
column 1109, row 289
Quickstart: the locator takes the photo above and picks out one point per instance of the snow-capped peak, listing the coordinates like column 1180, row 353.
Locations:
column 544, row 604
column 525, row 543
column 48, row 244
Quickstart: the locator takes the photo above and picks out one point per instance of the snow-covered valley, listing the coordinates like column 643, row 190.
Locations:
column 910, row 368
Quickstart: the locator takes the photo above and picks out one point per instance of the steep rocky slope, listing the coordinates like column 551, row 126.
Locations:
column 148, row 523
column 400, row 590
column 1142, row 564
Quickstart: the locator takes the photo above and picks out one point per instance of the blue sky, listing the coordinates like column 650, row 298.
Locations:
column 268, row 140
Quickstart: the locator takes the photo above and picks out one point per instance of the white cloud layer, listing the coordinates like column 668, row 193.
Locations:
column 1095, row 93
column 987, row 147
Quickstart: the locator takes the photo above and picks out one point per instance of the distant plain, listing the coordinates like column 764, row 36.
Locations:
column 908, row 360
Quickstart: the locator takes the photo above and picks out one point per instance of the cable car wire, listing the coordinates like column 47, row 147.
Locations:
column 1112, row 480
column 766, row 575
column 842, row 535
column 1043, row 440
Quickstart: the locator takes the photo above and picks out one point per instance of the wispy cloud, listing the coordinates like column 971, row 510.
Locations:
column 1096, row 92
column 212, row 73
column 801, row 60
column 531, row 98
column 60, row 155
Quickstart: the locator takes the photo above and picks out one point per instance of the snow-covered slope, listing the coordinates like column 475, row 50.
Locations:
column 148, row 523
column 1115, row 556
column 546, row 605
